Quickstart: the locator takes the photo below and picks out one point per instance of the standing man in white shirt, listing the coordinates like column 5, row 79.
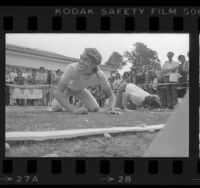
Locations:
column 75, row 80
column 168, row 68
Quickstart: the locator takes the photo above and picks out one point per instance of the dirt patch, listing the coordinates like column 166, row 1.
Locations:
column 119, row 145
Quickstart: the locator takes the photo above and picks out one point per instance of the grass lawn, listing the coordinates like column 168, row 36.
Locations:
column 119, row 145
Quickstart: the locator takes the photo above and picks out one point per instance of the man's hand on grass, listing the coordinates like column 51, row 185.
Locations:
column 113, row 111
column 81, row 110
column 110, row 111
column 118, row 109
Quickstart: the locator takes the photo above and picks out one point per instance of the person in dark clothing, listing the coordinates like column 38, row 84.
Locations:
column 32, row 80
column 184, row 71
column 126, row 78
column 49, row 82
column 19, row 80
column 147, row 78
column 183, row 68
column 7, row 88
column 140, row 79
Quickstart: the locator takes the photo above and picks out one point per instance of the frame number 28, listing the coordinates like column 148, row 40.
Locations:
column 124, row 179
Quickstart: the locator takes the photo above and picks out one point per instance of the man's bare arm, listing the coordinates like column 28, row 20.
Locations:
column 125, row 98
column 107, row 88
column 111, row 98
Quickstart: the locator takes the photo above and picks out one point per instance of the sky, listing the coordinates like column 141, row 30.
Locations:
column 72, row 45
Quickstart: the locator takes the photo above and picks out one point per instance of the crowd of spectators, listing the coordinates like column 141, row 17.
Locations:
column 147, row 77
column 34, row 77
column 99, row 94
column 157, row 79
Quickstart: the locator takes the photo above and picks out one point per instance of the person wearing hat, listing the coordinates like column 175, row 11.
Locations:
column 75, row 80
column 168, row 68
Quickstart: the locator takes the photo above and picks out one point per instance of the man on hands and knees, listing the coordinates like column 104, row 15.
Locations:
column 139, row 97
column 75, row 80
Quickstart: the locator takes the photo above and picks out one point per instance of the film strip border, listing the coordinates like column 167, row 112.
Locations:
column 112, row 170
column 106, row 24
column 100, row 171
column 100, row 19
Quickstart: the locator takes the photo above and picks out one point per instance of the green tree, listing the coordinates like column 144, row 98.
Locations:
column 116, row 61
column 141, row 55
